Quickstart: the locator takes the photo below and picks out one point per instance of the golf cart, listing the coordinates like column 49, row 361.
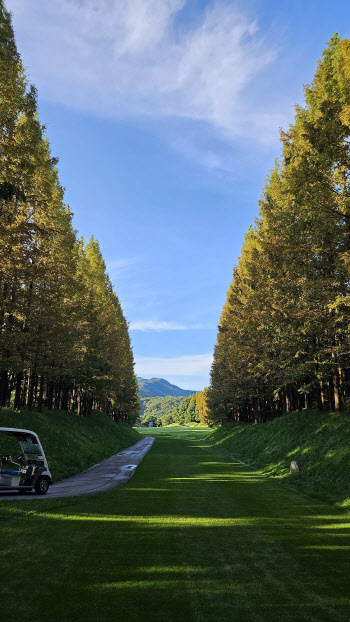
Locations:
column 32, row 470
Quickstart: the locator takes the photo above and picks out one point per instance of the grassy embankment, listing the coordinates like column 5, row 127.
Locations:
column 72, row 444
column 192, row 536
column 319, row 443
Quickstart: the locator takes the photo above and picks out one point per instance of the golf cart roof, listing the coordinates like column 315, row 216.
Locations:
column 18, row 432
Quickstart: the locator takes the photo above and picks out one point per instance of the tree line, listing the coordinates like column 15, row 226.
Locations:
column 154, row 408
column 283, row 337
column 162, row 411
column 64, row 340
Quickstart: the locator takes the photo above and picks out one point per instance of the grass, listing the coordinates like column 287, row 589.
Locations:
column 193, row 536
column 71, row 444
column 319, row 443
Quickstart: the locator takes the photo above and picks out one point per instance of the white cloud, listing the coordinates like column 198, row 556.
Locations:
column 192, row 365
column 149, row 325
column 155, row 325
column 125, row 58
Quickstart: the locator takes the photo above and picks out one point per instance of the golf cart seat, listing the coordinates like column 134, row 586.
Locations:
column 9, row 472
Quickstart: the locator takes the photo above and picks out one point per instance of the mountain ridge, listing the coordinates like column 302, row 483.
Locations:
column 159, row 387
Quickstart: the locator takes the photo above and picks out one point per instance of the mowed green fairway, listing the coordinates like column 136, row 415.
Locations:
column 193, row 536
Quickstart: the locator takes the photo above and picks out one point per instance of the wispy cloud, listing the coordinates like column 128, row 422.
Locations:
column 119, row 268
column 192, row 365
column 151, row 325
column 125, row 58
column 154, row 325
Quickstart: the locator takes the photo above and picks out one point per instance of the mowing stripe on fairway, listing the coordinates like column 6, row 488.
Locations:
column 192, row 536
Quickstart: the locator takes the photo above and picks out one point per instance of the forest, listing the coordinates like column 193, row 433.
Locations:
column 64, row 339
column 162, row 411
column 154, row 408
column 283, row 337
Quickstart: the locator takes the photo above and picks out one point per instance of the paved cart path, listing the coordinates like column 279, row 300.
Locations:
column 106, row 475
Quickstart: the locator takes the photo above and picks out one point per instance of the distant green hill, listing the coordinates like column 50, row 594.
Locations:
column 158, row 387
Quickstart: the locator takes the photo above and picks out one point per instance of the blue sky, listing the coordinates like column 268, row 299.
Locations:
column 165, row 116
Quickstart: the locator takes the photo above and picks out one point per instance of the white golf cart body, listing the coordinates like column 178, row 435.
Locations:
column 33, row 470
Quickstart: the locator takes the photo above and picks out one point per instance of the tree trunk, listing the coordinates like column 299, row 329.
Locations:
column 30, row 392
column 330, row 394
column 24, row 388
column 58, row 394
column 336, row 391
column 49, row 394
column 3, row 387
column 18, row 390
column 319, row 396
column 65, row 397
column 41, row 393
column 78, row 403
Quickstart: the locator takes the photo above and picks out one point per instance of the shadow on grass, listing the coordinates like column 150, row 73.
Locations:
column 184, row 540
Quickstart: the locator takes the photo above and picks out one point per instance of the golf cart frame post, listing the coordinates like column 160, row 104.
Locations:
column 33, row 471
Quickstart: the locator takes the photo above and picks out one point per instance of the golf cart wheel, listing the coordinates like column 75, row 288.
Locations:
column 42, row 486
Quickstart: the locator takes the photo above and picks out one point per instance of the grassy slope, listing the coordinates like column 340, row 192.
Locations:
column 192, row 536
column 71, row 444
column 319, row 443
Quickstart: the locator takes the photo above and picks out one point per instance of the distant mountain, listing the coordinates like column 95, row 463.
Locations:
column 158, row 387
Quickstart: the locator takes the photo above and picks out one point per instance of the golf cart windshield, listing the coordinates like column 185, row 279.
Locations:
column 30, row 446
column 32, row 451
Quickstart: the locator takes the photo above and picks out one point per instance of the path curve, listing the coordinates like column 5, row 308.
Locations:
column 106, row 475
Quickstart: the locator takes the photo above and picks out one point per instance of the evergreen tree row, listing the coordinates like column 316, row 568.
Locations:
column 64, row 340
column 283, row 338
